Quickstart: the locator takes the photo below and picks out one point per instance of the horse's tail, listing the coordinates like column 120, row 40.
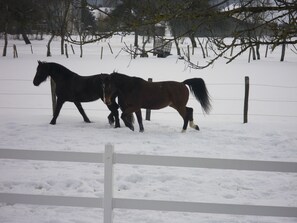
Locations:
column 199, row 90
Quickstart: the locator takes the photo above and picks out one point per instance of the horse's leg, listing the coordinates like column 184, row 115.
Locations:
column 110, row 118
column 82, row 112
column 186, row 121
column 139, row 119
column 57, row 111
column 183, row 111
column 191, row 119
column 127, row 118
column 114, row 115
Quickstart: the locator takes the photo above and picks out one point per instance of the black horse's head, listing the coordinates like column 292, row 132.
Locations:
column 108, row 89
column 41, row 74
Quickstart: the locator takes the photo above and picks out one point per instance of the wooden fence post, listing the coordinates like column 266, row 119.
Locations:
column 148, row 111
column 101, row 55
column 66, row 50
column 246, row 99
column 15, row 51
column 53, row 92
column 108, row 183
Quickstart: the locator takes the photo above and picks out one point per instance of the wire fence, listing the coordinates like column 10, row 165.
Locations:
column 214, row 99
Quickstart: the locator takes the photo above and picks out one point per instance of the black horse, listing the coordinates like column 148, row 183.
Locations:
column 74, row 88
column 135, row 93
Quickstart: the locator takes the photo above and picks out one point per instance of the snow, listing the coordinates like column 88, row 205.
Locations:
column 270, row 135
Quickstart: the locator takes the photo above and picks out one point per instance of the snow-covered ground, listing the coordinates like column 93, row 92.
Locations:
column 271, row 134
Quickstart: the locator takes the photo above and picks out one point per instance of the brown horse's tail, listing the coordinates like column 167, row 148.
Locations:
column 199, row 90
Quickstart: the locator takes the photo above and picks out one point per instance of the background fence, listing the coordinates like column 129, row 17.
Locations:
column 109, row 202
column 248, row 99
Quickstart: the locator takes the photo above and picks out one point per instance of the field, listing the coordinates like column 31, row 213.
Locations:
column 270, row 134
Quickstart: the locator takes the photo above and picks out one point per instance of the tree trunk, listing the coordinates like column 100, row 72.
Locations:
column 136, row 39
column 25, row 38
column 5, row 45
column 177, row 47
column 202, row 49
column 283, row 52
column 192, row 38
column 253, row 52
column 62, row 44
column 258, row 51
column 48, row 53
column 175, row 41
column 81, row 46
column 5, row 33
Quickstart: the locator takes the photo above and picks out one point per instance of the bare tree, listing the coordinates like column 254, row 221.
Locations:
column 57, row 16
column 248, row 23
column 259, row 23
column 18, row 17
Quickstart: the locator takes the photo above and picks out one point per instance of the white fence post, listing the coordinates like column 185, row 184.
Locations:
column 108, row 183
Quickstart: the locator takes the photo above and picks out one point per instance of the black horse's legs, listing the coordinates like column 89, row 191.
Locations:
column 110, row 118
column 82, row 112
column 139, row 119
column 191, row 119
column 114, row 115
column 57, row 111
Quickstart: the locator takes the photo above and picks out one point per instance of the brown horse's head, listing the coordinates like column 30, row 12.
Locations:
column 108, row 89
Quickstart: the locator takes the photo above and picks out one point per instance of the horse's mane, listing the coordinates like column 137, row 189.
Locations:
column 126, row 82
column 59, row 69
column 125, row 77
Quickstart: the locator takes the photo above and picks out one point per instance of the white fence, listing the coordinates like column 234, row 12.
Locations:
column 109, row 202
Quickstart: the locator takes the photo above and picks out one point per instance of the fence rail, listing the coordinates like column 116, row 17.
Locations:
column 108, row 202
column 50, row 200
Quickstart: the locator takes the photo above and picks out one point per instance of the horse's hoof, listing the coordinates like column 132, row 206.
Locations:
column 117, row 126
column 197, row 127
column 141, row 130
column 132, row 128
column 87, row 121
column 110, row 121
column 52, row 123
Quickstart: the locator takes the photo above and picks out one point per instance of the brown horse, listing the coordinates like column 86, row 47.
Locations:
column 135, row 93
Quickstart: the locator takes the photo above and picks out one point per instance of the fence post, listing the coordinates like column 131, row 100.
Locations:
column 15, row 51
column 66, row 50
column 246, row 99
column 101, row 55
column 108, row 183
column 148, row 111
column 53, row 92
